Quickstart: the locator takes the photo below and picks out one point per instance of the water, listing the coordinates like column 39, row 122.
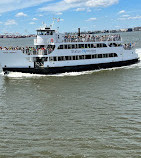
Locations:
column 72, row 115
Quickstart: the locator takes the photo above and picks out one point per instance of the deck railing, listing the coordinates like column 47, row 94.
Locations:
column 38, row 52
column 92, row 38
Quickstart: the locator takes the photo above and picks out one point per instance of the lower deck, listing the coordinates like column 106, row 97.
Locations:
column 54, row 70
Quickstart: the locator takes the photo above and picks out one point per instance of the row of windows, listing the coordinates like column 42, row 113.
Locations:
column 80, row 46
column 80, row 57
column 44, row 32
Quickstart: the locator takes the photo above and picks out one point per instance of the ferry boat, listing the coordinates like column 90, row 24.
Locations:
column 55, row 52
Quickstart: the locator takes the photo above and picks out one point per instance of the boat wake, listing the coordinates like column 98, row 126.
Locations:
column 27, row 75
column 20, row 75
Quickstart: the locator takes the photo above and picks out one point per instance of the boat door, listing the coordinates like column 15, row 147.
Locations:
column 39, row 63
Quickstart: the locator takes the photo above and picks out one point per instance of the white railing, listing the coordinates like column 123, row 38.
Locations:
column 38, row 52
column 100, row 38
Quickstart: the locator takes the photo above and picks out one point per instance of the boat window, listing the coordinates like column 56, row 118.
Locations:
column 98, row 45
column 99, row 55
column 60, row 47
column 89, row 46
column 115, row 55
column 107, row 55
column 46, row 59
column 92, row 46
column 50, row 58
column 51, row 47
column 104, row 55
column 74, row 58
column 66, row 58
column 77, row 58
column 60, row 58
column 66, row 46
column 73, row 46
column 95, row 45
column 69, row 57
column 104, row 45
column 69, row 46
column 94, row 56
column 112, row 45
column 111, row 55
column 81, row 56
column 54, row 58
column 81, row 45
column 88, row 57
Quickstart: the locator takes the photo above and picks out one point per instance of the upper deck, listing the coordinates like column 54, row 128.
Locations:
column 46, row 36
column 91, row 38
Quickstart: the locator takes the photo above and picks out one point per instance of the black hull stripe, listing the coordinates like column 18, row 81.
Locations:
column 54, row 70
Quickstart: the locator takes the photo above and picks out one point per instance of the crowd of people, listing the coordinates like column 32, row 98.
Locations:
column 128, row 46
column 27, row 49
column 92, row 38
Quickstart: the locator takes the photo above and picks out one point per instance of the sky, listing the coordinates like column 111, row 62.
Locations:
column 25, row 16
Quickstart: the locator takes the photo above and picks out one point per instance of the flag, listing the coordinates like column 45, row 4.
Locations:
column 58, row 20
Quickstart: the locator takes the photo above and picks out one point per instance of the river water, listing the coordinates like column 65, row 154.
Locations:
column 93, row 114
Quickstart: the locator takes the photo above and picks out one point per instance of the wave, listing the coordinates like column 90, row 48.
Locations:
column 138, row 51
column 21, row 75
column 1, row 73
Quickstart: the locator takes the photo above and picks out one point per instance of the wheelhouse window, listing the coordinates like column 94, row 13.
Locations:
column 45, row 32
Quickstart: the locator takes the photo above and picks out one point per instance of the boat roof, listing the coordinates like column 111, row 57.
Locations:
column 45, row 29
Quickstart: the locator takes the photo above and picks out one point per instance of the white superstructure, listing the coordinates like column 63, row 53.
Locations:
column 55, row 52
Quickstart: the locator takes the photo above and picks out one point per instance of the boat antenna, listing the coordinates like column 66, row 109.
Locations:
column 53, row 22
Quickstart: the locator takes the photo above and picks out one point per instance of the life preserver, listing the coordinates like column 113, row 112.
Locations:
column 51, row 40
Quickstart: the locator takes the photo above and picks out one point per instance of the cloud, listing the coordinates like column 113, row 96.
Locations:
column 130, row 18
column 125, row 15
column 69, row 4
column 34, row 19
column 40, row 15
column 80, row 9
column 135, row 17
column 20, row 14
column 91, row 19
column 88, row 10
column 10, row 22
column 121, row 12
column 59, row 13
column 10, row 5
column 32, row 23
